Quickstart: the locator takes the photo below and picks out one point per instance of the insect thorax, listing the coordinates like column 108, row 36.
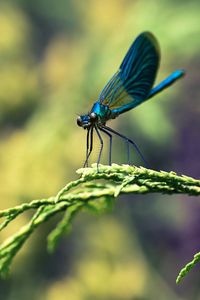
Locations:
column 102, row 111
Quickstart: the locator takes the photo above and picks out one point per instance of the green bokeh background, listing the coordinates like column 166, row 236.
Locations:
column 55, row 57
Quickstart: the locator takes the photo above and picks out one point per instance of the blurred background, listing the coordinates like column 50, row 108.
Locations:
column 55, row 57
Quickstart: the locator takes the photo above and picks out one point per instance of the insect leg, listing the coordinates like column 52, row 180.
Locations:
column 110, row 144
column 101, row 141
column 128, row 141
column 128, row 152
column 89, row 147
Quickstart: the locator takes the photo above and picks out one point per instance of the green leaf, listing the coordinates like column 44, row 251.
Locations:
column 63, row 227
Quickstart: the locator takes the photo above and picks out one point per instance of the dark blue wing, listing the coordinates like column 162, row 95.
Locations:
column 132, row 83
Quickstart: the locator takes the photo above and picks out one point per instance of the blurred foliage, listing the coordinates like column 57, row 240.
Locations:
column 55, row 57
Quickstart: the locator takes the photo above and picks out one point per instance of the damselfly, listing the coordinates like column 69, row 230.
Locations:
column 131, row 85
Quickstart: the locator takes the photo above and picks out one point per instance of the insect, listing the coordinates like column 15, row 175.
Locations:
column 131, row 85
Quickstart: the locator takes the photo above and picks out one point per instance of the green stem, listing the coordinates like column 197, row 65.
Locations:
column 86, row 192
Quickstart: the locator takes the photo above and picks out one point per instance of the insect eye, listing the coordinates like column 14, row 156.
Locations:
column 79, row 121
column 93, row 116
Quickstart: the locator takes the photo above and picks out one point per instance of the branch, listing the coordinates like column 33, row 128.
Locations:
column 95, row 191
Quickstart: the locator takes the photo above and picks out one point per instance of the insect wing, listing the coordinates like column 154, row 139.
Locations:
column 136, row 75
